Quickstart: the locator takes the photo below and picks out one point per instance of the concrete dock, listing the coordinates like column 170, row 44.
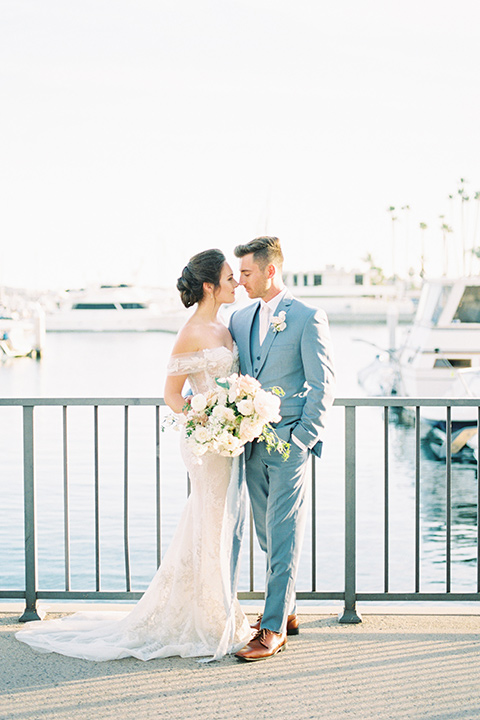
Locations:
column 396, row 664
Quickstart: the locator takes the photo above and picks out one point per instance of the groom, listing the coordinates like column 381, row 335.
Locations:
column 282, row 342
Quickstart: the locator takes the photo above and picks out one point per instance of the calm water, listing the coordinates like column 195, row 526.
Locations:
column 133, row 365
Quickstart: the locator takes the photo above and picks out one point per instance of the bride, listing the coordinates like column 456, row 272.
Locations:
column 190, row 608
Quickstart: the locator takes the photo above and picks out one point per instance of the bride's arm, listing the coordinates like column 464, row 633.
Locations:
column 186, row 342
column 173, row 392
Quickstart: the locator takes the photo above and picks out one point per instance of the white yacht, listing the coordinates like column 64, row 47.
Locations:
column 351, row 296
column 439, row 355
column 116, row 308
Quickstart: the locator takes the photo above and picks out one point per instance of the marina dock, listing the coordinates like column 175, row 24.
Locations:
column 396, row 664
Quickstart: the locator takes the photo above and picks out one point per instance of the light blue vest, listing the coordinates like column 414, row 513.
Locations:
column 255, row 347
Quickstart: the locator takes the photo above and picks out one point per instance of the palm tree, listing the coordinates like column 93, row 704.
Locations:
column 452, row 199
column 423, row 227
column 376, row 273
column 464, row 199
column 445, row 229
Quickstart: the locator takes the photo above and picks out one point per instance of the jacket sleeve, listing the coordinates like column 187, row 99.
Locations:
column 316, row 354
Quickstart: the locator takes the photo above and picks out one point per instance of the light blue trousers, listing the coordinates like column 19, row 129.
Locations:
column 277, row 491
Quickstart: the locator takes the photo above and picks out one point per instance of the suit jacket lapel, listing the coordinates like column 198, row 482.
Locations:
column 284, row 304
column 245, row 340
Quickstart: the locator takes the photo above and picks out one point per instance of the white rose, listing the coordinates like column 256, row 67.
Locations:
column 231, row 443
column 220, row 412
column 229, row 415
column 201, row 434
column 198, row 403
column 267, row 406
column 245, row 407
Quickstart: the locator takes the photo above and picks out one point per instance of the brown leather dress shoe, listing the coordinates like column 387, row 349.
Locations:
column 292, row 625
column 264, row 644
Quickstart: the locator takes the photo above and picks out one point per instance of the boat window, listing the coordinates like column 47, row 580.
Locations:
column 432, row 301
column 468, row 310
column 94, row 306
column 441, row 302
column 133, row 306
column 452, row 363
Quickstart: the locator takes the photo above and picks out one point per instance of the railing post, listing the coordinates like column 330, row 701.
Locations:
column 349, row 614
column 30, row 612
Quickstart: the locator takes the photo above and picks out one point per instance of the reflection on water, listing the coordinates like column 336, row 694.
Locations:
column 126, row 365
column 433, row 511
column 463, row 521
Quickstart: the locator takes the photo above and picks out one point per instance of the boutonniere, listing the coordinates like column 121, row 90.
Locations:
column 278, row 321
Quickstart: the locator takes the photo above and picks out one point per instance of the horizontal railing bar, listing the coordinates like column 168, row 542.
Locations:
column 136, row 595
column 245, row 595
column 396, row 401
column 10, row 402
column 418, row 597
column 89, row 595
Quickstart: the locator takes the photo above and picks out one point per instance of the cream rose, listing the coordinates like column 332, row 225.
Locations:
column 250, row 429
column 248, row 385
column 267, row 406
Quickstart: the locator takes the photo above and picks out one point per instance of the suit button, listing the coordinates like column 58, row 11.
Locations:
column 255, row 369
column 258, row 357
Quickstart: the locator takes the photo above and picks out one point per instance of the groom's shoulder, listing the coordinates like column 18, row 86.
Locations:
column 243, row 311
column 309, row 315
column 307, row 309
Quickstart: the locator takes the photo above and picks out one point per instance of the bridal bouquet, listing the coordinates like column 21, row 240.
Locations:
column 238, row 411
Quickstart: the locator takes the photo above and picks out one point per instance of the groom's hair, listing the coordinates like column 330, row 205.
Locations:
column 265, row 250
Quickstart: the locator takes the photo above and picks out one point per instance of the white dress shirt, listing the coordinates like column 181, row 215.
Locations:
column 267, row 311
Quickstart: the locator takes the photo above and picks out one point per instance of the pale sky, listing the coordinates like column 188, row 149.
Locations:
column 134, row 133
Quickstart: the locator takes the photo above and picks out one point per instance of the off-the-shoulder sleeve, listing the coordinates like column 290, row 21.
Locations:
column 187, row 363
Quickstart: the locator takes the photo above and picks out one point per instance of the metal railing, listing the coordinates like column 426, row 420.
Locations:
column 348, row 594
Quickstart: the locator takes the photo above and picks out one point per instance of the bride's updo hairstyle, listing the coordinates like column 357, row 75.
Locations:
column 205, row 267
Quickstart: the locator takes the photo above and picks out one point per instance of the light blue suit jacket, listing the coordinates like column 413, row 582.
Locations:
column 298, row 359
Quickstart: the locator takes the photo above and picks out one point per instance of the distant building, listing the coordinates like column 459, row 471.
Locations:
column 330, row 275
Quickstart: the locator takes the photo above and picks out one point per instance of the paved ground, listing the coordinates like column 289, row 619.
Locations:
column 390, row 666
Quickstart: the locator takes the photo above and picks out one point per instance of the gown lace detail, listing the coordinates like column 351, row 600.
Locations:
column 190, row 608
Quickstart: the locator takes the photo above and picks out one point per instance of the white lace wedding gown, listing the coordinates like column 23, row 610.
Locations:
column 190, row 608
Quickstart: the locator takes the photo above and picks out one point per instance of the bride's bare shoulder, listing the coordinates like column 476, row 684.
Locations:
column 189, row 339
